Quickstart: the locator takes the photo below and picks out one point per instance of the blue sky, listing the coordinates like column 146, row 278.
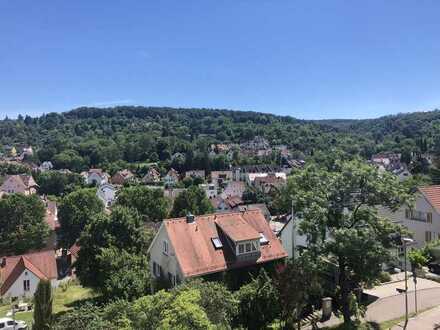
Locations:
column 307, row 59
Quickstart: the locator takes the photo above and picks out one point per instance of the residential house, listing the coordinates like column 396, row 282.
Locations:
column 152, row 176
column 22, row 183
column 172, row 178
column 275, row 178
column 240, row 173
column 423, row 219
column 234, row 188
column 196, row 246
column 20, row 275
column 122, row 177
column 226, row 204
column 95, row 176
column 46, row 166
column 260, row 206
column 27, row 152
column 195, row 174
column 269, row 182
column 210, row 189
column 107, row 194
column 172, row 193
column 287, row 230
column 221, row 177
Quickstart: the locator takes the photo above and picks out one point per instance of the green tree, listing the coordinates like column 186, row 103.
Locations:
column 75, row 211
column 185, row 313
column 112, row 257
column 150, row 203
column 58, row 184
column 299, row 287
column 342, row 203
column 43, row 306
column 22, row 223
column 258, row 303
column 193, row 201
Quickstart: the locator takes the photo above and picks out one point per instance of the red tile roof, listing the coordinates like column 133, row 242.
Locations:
column 41, row 264
column 432, row 195
column 196, row 253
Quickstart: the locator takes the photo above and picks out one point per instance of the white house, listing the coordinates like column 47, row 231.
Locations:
column 107, row 194
column 46, row 166
column 288, row 232
column 250, row 177
column 194, row 246
column 210, row 189
column 423, row 220
column 172, row 178
column 23, row 184
column 95, row 176
column 20, row 275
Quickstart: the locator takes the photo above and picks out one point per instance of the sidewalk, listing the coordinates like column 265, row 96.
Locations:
column 424, row 321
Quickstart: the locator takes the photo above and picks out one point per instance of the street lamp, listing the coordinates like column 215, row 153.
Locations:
column 405, row 242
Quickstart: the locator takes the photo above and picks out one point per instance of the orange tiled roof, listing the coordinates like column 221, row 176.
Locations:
column 41, row 264
column 432, row 194
column 196, row 253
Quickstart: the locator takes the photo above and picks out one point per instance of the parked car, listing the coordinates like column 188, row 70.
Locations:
column 7, row 323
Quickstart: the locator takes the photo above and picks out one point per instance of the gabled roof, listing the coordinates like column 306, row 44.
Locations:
column 195, row 252
column 41, row 264
column 432, row 195
column 23, row 179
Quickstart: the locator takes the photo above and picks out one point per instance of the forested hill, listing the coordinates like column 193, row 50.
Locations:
column 87, row 137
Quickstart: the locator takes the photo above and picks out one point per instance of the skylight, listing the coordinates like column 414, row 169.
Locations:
column 217, row 243
column 263, row 239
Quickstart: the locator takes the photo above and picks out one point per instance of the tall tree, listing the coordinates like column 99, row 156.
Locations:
column 43, row 306
column 22, row 224
column 75, row 211
column 150, row 203
column 341, row 204
column 193, row 201
column 112, row 257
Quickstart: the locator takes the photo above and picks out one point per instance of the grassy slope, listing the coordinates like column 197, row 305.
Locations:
column 63, row 301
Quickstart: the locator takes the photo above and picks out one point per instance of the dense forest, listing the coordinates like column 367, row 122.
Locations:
column 113, row 138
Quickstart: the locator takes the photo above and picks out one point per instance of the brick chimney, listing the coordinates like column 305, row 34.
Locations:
column 190, row 218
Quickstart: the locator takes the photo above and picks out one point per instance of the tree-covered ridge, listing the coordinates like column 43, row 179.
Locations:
column 112, row 137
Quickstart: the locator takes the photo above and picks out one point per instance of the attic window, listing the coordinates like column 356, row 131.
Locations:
column 263, row 239
column 217, row 243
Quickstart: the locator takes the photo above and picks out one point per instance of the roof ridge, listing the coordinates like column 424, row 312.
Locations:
column 214, row 214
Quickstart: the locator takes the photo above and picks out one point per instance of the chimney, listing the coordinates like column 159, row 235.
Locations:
column 3, row 264
column 190, row 218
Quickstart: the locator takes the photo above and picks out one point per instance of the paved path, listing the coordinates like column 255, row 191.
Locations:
column 393, row 307
column 424, row 321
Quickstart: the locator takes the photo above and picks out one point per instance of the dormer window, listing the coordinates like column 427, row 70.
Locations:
column 247, row 247
column 217, row 243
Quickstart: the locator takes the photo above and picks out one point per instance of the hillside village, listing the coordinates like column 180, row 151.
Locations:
column 225, row 225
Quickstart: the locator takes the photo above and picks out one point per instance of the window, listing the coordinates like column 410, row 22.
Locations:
column 26, row 285
column 217, row 243
column 408, row 213
column 165, row 247
column 248, row 247
column 429, row 217
column 155, row 269
column 240, row 248
column 10, row 323
column 2, row 325
column 428, row 236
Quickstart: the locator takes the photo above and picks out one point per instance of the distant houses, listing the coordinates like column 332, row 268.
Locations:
column 22, row 183
column 107, row 194
column 122, row 177
column 171, row 178
column 95, row 176
column 152, row 176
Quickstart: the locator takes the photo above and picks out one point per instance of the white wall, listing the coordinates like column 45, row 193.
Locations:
column 168, row 262
column 17, row 289
column 291, row 239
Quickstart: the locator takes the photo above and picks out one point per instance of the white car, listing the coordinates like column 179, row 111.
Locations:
column 7, row 323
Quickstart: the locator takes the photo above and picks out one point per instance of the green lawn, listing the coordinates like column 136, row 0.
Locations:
column 63, row 301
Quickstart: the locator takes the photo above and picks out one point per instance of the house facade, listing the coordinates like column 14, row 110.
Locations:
column 200, row 245
column 95, row 176
column 195, row 174
column 122, row 177
column 210, row 190
column 23, row 184
column 107, row 194
column 20, row 275
column 172, row 177
column 152, row 176
column 423, row 219
column 220, row 177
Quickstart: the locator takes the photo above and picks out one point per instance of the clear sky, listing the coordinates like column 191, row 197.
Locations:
column 308, row 59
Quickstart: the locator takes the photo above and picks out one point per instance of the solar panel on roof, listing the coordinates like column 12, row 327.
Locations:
column 217, row 243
